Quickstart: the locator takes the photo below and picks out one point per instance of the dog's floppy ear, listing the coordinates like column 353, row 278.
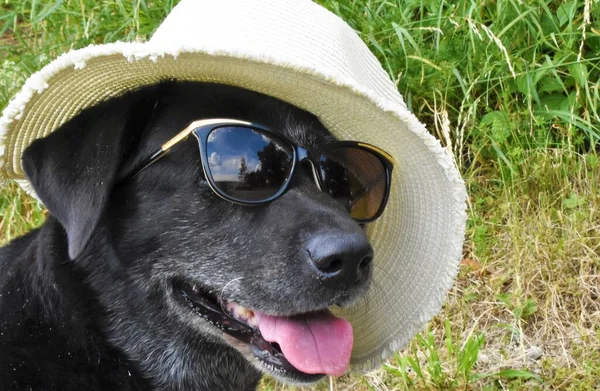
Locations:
column 74, row 169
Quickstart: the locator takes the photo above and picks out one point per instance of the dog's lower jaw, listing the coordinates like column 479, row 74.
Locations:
column 261, row 367
column 180, row 361
column 192, row 356
column 183, row 359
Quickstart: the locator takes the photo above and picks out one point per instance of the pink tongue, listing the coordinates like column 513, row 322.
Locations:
column 312, row 343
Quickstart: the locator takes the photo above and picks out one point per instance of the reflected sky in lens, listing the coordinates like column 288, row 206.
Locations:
column 227, row 146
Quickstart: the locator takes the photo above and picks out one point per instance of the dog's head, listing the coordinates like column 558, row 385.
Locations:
column 175, row 265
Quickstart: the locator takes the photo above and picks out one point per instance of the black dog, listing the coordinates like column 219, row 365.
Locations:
column 124, row 286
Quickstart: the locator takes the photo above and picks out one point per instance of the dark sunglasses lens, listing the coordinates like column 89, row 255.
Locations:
column 356, row 178
column 247, row 164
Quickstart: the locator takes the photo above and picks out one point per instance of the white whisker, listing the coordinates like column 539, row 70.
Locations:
column 225, row 287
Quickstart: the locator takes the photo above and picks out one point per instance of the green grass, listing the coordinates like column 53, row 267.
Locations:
column 512, row 88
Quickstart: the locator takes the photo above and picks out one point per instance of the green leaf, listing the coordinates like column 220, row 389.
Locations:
column 505, row 298
column 573, row 201
column 470, row 297
column 448, row 338
column 499, row 124
column 551, row 84
column 554, row 102
column 494, row 116
column 592, row 161
column 566, row 12
column 513, row 373
column 529, row 308
column 508, row 374
column 414, row 364
column 580, row 73
column 402, row 34
column 549, row 24
column 526, row 86
column 49, row 9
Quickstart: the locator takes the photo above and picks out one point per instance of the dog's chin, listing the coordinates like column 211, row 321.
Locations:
column 239, row 327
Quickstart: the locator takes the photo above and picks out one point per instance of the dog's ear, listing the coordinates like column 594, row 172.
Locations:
column 73, row 170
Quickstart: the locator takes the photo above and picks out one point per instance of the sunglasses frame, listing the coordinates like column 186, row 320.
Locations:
column 201, row 129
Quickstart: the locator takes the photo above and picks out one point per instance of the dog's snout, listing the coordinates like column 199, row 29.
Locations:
column 341, row 259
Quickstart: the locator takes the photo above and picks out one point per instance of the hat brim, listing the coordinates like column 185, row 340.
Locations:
column 418, row 239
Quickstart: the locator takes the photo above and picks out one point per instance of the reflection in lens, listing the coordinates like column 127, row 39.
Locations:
column 247, row 164
column 356, row 178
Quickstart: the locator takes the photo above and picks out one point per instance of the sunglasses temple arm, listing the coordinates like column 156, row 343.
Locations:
column 147, row 162
column 163, row 149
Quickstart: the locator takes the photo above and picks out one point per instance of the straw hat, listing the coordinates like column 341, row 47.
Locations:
column 301, row 53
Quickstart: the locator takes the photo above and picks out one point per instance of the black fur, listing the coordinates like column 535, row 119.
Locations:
column 87, row 301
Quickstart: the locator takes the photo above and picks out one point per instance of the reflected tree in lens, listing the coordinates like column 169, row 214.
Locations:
column 243, row 172
column 274, row 165
column 273, row 169
column 337, row 179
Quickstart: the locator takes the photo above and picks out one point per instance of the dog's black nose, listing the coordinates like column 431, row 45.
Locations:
column 341, row 259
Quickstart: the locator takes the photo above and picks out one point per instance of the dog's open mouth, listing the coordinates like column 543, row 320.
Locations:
column 305, row 347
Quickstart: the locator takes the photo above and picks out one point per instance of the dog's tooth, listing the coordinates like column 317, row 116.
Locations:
column 239, row 312
column 253, row 321
column 242, row 313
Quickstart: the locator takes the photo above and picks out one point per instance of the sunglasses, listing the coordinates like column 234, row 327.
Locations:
column 248, row 164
